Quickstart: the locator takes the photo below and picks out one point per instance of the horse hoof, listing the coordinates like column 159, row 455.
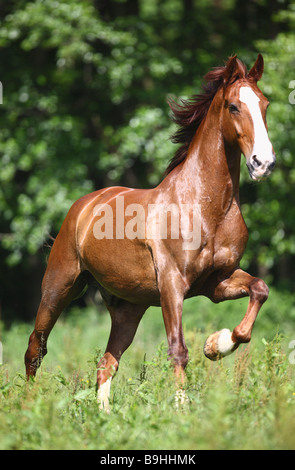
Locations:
column 219, row 344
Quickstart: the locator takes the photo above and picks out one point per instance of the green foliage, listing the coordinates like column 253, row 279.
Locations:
column 64, row 131
column 245, row 401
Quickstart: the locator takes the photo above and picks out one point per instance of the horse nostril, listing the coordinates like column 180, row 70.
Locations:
column 257, row 163
column 271, row 166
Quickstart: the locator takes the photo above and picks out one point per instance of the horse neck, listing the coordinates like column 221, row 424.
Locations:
column 212, row 168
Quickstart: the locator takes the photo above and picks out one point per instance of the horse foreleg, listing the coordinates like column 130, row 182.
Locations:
column 238, row 285
column 172, row 303
column 125, row 320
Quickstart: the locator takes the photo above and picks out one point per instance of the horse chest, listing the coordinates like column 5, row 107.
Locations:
column 230, row 241
column 222, row 248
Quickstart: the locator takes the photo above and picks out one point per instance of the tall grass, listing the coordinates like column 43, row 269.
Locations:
column 245, row 401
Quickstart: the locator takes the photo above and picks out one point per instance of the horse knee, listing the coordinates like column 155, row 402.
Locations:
column 259, row 290
column 184, row 359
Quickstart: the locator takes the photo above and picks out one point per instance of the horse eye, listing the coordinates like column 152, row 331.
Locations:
column 233, row 108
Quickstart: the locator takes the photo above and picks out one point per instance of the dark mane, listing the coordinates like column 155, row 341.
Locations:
column 189, row 114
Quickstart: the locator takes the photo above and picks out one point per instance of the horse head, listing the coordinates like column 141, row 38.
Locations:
column 244, row 116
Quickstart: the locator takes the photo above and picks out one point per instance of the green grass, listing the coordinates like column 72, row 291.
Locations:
column 245, row 401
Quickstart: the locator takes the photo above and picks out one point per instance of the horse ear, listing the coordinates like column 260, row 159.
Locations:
column 230, row 68
column 257, row 69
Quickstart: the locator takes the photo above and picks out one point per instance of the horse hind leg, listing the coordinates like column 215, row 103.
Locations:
column 125, row 319
column 62, row 283
column 239, row 284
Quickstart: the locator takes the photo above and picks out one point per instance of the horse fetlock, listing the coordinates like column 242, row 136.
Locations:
column 219, row 345
column 180, row 357
column 35, row 353
column 242, row 335
column 32, row 363
column 106, row 368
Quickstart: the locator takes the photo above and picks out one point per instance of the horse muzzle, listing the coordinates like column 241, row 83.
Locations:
column 259, row 168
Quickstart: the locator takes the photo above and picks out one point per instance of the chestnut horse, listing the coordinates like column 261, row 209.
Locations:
column 133, row 268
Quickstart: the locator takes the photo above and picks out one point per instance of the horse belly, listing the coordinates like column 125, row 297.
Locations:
column 124, row 268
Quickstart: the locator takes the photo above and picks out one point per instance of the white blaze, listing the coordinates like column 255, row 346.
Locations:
column 262, row 147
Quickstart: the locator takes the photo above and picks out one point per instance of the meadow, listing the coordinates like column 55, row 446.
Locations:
column 245, row 401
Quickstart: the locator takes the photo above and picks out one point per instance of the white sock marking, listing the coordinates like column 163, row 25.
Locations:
column 103, row 394
column 224, row 342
